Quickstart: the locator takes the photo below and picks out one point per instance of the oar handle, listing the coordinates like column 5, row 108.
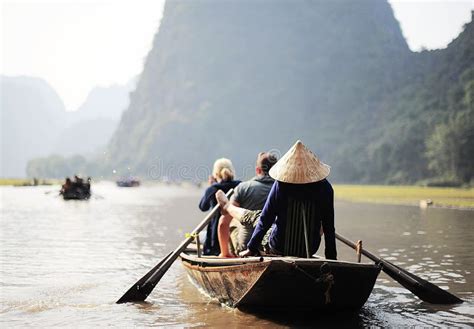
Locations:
column 206, row 220
column 160, row 271
column 376, row 259
column 354, row 246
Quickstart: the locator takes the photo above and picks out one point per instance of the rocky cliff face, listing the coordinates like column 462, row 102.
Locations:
column 232, row 78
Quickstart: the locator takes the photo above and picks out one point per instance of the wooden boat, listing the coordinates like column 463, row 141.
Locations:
column 77, row 193
column 282, row 282
column 128, row 182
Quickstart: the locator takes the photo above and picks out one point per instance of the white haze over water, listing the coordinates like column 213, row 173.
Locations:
column 76, row 45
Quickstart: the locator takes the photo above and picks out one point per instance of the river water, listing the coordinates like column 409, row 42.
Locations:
column 65, row 263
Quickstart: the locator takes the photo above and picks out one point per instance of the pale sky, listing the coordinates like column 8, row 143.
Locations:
column 76, row 45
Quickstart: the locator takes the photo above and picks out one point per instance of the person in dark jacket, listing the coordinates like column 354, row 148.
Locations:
column 222, row 179
column 66, row 186
column 299, row 175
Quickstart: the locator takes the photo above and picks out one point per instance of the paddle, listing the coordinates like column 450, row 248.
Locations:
column 135, row 292
column 425, row 290
column 143, row 287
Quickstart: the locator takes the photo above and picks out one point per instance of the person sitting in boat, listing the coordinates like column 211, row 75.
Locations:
column 78, row 182
column 88, row 185
column 222, row 179
column 300, row 200
column 251, row 195
column 66, row 186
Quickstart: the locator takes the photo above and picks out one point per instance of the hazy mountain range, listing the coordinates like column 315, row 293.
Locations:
column 94, row 122
column 34, row 122
column 31, row 119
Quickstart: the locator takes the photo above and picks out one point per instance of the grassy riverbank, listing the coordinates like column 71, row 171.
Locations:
column 406, row 195
column 27, row 182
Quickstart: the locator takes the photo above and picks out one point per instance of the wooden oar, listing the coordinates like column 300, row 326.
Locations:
column 49, row 192
column 143, row 287
column 425, row 290
column 137, row 292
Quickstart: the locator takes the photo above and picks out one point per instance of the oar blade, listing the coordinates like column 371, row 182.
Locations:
column 423, row 289
column 134, row 294
column 140, row 291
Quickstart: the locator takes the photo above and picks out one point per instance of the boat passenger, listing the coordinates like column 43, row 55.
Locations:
column 88, row 185
column 301, row 187
column 66, row 186
column 251, row 195
column 222, row 179
column 77, row 183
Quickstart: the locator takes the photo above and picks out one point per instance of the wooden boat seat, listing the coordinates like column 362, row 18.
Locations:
column 302, row 228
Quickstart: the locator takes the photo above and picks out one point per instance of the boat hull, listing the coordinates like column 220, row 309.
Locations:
column 284, row 282
column 132, row 183
column 76, row 195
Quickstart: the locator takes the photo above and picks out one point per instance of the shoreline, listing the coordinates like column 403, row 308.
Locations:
column 418, row 196
column 402, row 195
column 387, row 203
column 18, row 182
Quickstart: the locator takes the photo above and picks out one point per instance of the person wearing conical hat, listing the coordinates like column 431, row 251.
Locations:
column 300, row 178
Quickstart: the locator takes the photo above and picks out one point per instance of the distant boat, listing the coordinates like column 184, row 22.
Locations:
column 79, row 193
column 128, row 182
column 76, row 190
column 283, row 282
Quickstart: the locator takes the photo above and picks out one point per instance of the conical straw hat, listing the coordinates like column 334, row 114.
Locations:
column 299, row 166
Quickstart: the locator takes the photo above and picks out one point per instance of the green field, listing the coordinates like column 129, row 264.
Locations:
column 27, row 181
column 406, row 195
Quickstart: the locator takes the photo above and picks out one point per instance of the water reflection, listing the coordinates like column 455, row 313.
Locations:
column 66, row 263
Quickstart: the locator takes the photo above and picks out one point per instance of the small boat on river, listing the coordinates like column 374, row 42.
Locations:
column 76, row 189
column 78, row 193
column 282, row 282
column 128, row 182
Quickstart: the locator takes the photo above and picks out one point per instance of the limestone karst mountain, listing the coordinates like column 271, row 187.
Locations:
column 31, row 120
column 34, row 123
column 232, row 78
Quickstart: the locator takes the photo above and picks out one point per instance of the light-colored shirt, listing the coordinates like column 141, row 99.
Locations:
column 252, row 195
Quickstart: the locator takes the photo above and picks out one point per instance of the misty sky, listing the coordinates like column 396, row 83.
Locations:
column 76, row 45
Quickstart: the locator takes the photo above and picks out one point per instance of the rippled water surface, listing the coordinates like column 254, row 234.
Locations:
column 66, row 263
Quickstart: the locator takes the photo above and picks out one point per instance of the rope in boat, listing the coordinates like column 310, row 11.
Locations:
column 327, row 278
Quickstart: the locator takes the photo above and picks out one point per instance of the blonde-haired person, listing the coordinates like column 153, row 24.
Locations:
column 222, row 178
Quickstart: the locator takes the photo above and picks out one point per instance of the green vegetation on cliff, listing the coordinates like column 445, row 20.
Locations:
column 232, row 78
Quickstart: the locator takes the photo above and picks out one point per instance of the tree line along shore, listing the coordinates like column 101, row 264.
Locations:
column 448, row 197
column 28, row 182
